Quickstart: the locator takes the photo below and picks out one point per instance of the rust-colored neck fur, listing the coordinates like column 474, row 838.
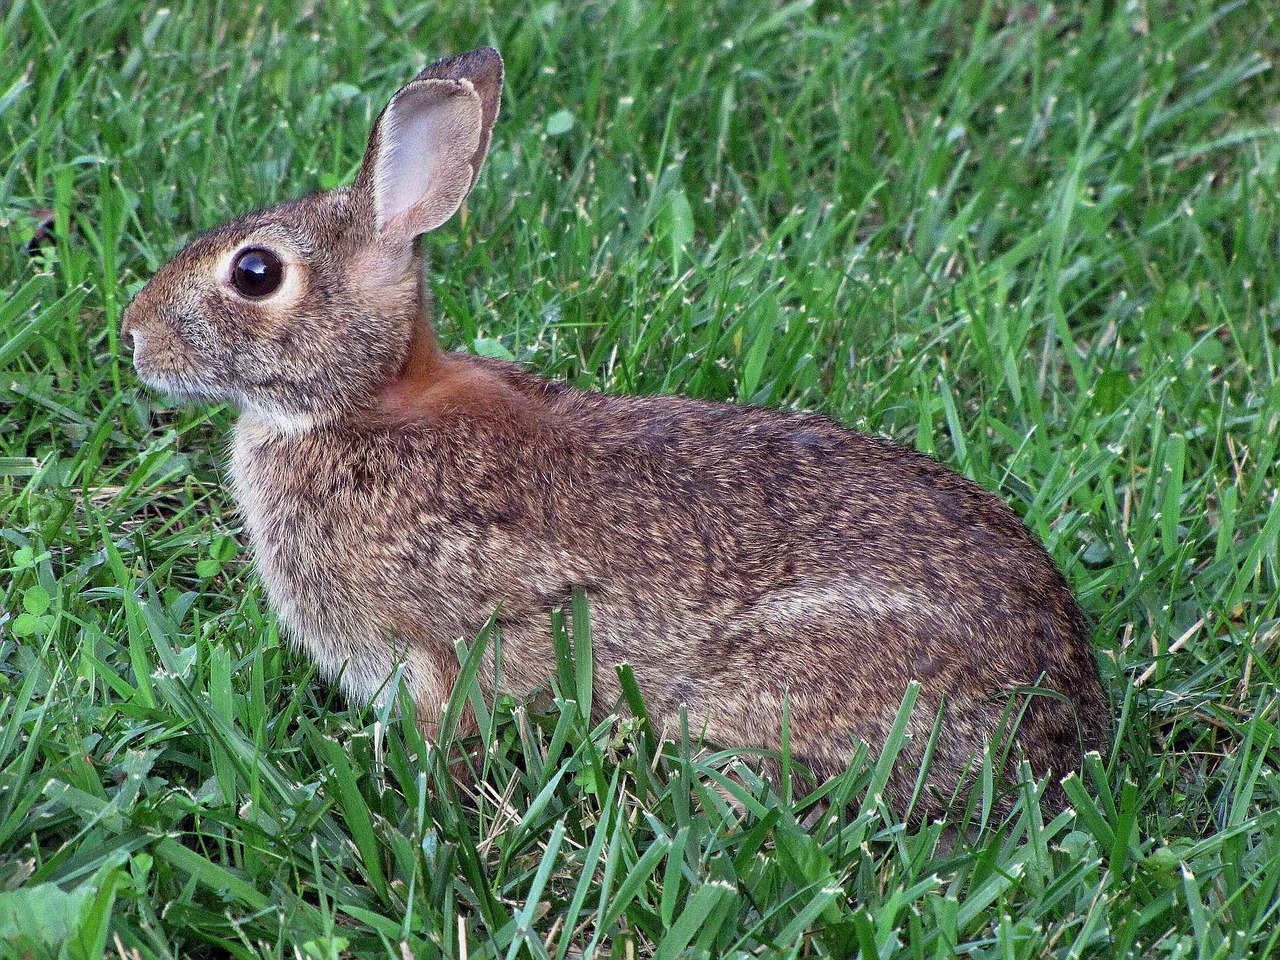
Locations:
column 433, row 383
column 421, row 369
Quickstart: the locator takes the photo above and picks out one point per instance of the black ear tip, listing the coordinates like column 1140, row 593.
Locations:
column 486, row 62
column 482, row 67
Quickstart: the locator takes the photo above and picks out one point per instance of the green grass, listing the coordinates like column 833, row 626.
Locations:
column 1041, row 242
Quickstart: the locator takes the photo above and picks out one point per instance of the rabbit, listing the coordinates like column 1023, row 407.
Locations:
column 743, row 561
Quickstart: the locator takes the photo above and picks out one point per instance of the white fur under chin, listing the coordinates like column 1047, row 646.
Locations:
column 179, row 387
column 290, row 422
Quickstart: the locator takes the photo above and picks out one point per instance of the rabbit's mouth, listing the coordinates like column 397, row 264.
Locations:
column 178, row 384
column 165, row 375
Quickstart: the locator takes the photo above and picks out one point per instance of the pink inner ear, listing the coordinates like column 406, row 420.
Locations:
column 429, row 135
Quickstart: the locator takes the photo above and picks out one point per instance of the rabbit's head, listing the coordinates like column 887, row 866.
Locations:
column 301, row 312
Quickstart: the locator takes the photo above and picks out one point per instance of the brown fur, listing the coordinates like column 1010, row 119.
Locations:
column 396, row 496
column 432, row 383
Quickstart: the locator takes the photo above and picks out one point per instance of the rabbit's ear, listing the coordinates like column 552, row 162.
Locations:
column 483, row 69
column 427, row 145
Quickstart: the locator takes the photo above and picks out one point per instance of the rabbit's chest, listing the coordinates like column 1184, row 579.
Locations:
column 346, row 549
column 307, row 545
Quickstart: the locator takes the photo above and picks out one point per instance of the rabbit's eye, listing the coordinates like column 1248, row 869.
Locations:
column 257, row 273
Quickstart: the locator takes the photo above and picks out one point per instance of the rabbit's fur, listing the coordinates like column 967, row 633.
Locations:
column 396, row 496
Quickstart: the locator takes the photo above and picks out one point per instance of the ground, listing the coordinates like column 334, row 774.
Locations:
column 1036, row 240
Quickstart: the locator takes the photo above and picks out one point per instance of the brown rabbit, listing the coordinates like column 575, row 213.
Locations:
column 397, row 495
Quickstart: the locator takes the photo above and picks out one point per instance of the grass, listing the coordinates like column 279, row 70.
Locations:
column 1037, row 241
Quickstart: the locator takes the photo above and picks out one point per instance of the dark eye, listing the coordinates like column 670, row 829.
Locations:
column 257, row 273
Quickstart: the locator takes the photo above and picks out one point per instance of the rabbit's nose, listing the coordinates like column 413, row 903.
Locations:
column 127, row 326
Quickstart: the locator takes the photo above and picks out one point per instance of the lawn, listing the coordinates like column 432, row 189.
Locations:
column 1039, row 241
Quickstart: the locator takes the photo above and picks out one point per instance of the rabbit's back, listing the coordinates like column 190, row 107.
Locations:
column 732, row 555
